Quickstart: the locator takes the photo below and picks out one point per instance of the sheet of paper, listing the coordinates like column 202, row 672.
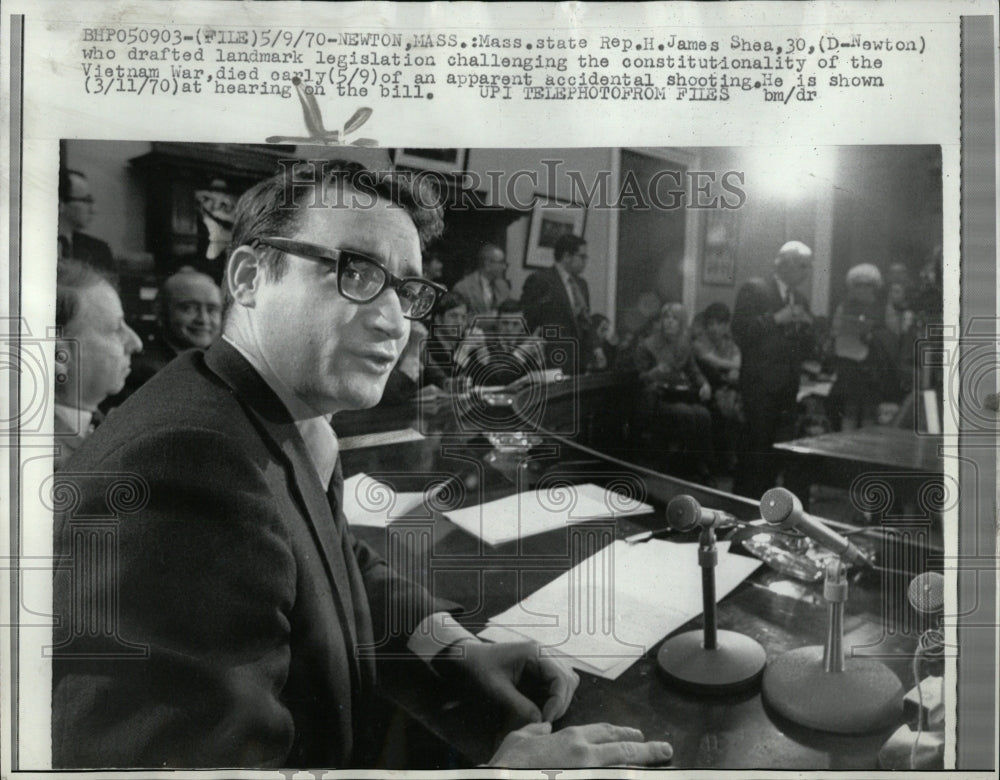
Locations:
column 369, row 502
column 610, row 609
column 537, row 511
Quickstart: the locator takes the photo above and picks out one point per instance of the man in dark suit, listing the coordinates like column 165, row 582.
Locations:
column 76, row 212
column 772, row 326
column 557, row 300
column 257, row 611
column 485, row 288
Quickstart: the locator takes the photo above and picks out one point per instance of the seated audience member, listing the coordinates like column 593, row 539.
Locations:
column 895, row 339
column 511, row 351
column 606, row 343
column 93, row 352
column 188, row 316
column 76, row 212
column 719, row 359
column 451, row 350
column 485, row 288
column 857, row 361
column 674, row 392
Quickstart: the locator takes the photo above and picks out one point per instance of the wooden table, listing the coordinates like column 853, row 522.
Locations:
column 736, row 731
column 889, row 472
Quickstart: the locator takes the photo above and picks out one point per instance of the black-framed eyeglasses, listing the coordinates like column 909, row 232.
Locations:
column 362, row 279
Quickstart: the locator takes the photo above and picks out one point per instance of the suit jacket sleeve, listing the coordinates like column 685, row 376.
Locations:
column 205, row 583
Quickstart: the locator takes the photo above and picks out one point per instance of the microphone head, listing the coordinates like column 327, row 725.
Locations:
column 777, row 505
column 926, row 592
column 683, row 513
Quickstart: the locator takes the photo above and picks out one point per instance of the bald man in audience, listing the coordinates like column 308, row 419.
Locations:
column 93, row 352
column 772, row 326
column 485, row 288
column 189, row 315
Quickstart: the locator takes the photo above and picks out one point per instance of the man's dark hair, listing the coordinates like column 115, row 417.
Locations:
column 566, row 244
column 716, row 312
column 66, row 183
column 72, row 277
column 274, row 206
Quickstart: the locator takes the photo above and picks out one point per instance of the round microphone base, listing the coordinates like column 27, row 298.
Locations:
column 865, row 697
column 734, row 665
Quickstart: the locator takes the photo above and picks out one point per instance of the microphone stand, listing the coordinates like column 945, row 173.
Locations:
column 711, row 661
column 819, row 688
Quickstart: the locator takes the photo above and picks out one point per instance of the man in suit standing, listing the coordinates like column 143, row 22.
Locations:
column 772, row 326
column 259, row 613
column 557, row 299
column 93, row 352
column 76, row 212
column 485, row 288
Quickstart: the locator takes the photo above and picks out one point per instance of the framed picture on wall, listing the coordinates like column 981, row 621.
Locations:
column 719, row 254
column 444, row 160
column 551, row 218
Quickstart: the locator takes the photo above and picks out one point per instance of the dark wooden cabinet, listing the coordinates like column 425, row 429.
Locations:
column 173, row 173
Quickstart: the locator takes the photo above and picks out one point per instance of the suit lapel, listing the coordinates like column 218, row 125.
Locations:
column 270, row 415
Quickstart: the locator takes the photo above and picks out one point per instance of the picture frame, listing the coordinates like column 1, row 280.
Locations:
column 718, row 266
column 448, row 161
column 551, row 218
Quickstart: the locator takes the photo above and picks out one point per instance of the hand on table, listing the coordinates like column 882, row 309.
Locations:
column 503, row 672
column 596, row 744
column 705, row 392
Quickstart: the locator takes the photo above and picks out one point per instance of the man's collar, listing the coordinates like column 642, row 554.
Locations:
column 76, row 419
column 314, row 427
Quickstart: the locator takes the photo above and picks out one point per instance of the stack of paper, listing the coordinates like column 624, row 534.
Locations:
column 608, row 611
column 537, row 511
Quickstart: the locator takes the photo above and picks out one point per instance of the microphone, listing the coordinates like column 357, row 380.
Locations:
column 926, row 592
column 708, row 661
column 685, row 513
column 781, row 508
column 926, row 596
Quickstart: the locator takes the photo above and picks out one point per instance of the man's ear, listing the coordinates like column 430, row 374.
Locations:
column 244, row 275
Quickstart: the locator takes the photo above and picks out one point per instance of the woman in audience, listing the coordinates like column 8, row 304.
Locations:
column 719, row 359
column 859, row 362
column 673, row 393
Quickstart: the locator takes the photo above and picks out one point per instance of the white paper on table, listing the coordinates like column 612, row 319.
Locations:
column 369, row 502
column 610, row 609
column 534, row 512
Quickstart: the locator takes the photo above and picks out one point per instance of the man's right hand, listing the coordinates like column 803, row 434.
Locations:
column 596, row 744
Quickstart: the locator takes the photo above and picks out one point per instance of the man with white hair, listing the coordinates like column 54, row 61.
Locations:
column 93, row 352
column 772, row 326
